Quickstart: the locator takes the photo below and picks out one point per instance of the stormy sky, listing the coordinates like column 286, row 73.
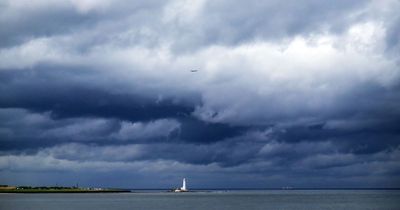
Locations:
column 286, row 93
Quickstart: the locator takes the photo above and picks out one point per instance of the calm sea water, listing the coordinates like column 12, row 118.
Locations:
column 218, row 200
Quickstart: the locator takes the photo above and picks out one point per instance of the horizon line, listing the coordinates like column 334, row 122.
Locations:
column 279, row 188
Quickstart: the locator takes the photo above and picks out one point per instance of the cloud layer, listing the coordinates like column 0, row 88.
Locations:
column 302, row 94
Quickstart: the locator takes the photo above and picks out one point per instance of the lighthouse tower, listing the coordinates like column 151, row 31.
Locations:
column 183, row 188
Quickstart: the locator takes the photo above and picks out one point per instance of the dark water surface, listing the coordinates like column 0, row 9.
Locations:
column 218, row 200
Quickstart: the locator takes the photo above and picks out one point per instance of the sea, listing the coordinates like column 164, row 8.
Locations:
column 208, row 200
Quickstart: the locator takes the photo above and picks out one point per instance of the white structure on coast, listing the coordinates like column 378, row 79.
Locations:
column 183, row 188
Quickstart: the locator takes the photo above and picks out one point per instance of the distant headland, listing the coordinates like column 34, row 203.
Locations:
column 57, row 189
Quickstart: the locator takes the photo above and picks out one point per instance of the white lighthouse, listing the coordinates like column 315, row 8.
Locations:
column 183, row 188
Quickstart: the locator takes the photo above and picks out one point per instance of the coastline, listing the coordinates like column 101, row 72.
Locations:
column 65, row 191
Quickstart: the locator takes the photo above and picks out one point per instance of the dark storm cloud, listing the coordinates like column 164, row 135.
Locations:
column 194, row 130
column 362, row 141
column 28, row 131
column 54, row 90
column 23, row 130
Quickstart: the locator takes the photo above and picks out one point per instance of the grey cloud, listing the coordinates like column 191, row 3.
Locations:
column 198, row 24
column 153, row 129
column 23, row 21
column 393, row 40
column 340, row 166
column 21, row 128
column 227, row 23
